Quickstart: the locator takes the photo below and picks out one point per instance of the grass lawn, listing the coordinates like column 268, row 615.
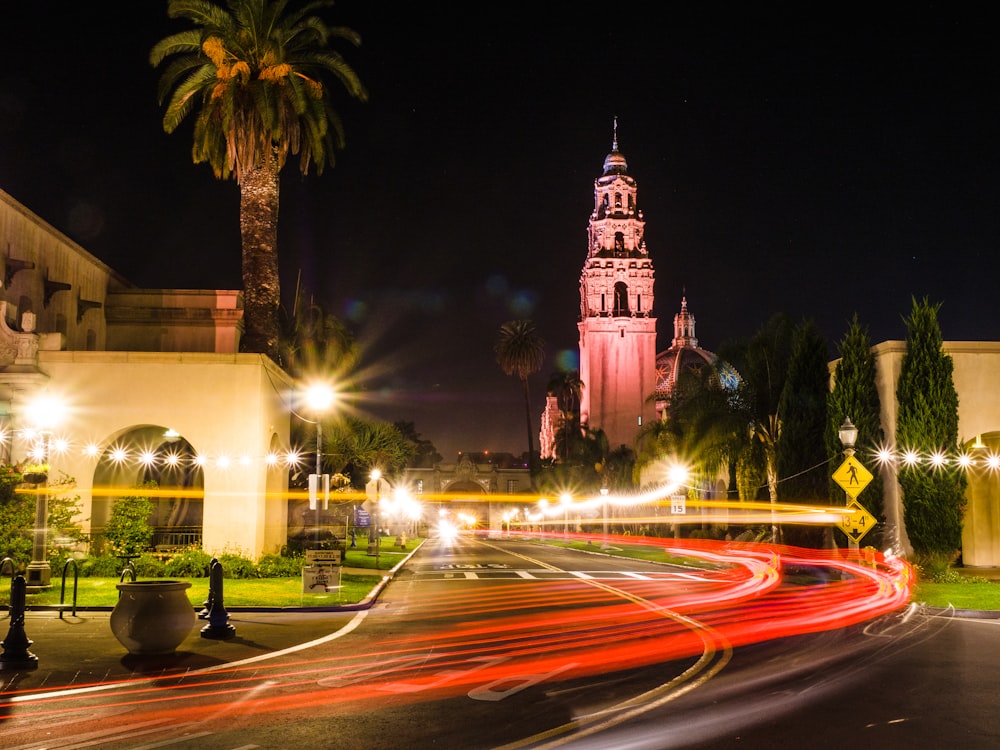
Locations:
column 960, row 595
column 236, row 592
column 366, row 571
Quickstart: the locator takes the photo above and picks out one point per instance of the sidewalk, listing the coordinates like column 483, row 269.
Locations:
column 80, row 649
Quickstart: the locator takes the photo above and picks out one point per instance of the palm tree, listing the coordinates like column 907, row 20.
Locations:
column 567, row 387
column 521, row 351
column 255, row 72
column 314, row 343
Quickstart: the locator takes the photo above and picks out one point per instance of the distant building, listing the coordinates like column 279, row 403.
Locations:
column 616, row 325
column 484, row 484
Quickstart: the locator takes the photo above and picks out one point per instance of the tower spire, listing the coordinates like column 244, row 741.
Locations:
column 614, row 140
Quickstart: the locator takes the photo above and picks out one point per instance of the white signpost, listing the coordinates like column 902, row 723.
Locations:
column 321, row 573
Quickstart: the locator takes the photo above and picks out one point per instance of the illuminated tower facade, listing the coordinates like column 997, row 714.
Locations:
column 617, row 327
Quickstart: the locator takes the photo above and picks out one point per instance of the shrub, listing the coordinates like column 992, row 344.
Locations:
column 128, row 530
column 278, row 566
column 147, row 566
column 236, row 566
column 103, row 566
column 191, row 563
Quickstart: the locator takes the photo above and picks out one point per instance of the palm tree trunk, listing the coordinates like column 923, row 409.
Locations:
column 527, row 414
column 259, row 233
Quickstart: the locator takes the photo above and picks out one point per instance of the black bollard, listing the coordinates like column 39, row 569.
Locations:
column 15, row 654
column 207, row 604
column 218, row 626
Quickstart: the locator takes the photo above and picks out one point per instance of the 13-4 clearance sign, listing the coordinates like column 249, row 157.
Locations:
column 858, row 523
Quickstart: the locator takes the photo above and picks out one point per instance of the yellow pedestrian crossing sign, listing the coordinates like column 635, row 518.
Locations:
column 858, row 523
column 852, row 476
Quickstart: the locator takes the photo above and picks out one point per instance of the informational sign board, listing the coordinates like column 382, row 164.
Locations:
column 859, row 523
column 852, row 476
column 318, row 579
column 323, row 557
column 678, row 505
column 362, row 518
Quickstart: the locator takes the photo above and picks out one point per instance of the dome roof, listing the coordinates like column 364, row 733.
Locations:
column 614, row 163
column 685, row 354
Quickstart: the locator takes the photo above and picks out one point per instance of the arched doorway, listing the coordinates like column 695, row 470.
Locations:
column 147, row 454
column 981, row 523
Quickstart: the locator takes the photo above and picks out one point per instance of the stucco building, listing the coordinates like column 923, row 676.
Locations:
column 151, row 385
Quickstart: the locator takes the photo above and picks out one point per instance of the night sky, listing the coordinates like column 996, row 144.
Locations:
column 823, row 164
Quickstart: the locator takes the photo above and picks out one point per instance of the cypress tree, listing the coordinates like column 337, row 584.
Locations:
column 803, row 462
column 927, row 422
column 855, row 395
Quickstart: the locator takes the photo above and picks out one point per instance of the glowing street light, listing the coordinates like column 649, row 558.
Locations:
column 43, row 415
column 848, row 435
column 565, row 500
column 318, row 399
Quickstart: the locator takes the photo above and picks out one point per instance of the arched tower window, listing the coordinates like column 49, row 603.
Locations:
column 618, row 201
column 619, row 244
column 621, row 300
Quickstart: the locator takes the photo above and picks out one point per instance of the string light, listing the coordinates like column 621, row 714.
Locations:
column 910, row 458
column 122, row 455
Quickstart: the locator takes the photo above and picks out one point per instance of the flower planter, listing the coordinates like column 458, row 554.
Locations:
column 152, row 617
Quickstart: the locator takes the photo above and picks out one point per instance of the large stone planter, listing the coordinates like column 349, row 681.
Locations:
column 152, row 617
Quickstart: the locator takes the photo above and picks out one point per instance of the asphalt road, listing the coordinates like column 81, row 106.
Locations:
column 504, row 644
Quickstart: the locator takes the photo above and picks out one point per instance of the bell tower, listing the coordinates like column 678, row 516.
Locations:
column 617, row 327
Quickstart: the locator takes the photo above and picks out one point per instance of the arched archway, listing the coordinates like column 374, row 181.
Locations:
column 151, row 453
column 981, row 523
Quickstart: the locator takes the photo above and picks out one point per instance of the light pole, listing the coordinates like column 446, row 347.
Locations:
column 319, row 399
column 374, row 537
column 565, row 500
column 43, row 414
column 848, row 435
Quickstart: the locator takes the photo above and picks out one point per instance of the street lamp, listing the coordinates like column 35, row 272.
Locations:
column 319, row 398
column 374, row 538
column 565, row 499
column 43, row 414
column 848, row 435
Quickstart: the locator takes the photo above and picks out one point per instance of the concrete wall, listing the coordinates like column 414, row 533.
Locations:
column 231, row 409
column 977, row 382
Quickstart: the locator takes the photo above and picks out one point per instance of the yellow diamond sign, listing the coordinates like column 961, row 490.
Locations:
column 852, row 476
column 858, row 523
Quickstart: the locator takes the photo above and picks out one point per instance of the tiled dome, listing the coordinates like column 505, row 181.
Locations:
column 685, row 354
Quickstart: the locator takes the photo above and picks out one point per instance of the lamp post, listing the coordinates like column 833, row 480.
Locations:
column 319, row 399
column 374, row 538
column 848, row 435
column 43, row 414
column 565, row 501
